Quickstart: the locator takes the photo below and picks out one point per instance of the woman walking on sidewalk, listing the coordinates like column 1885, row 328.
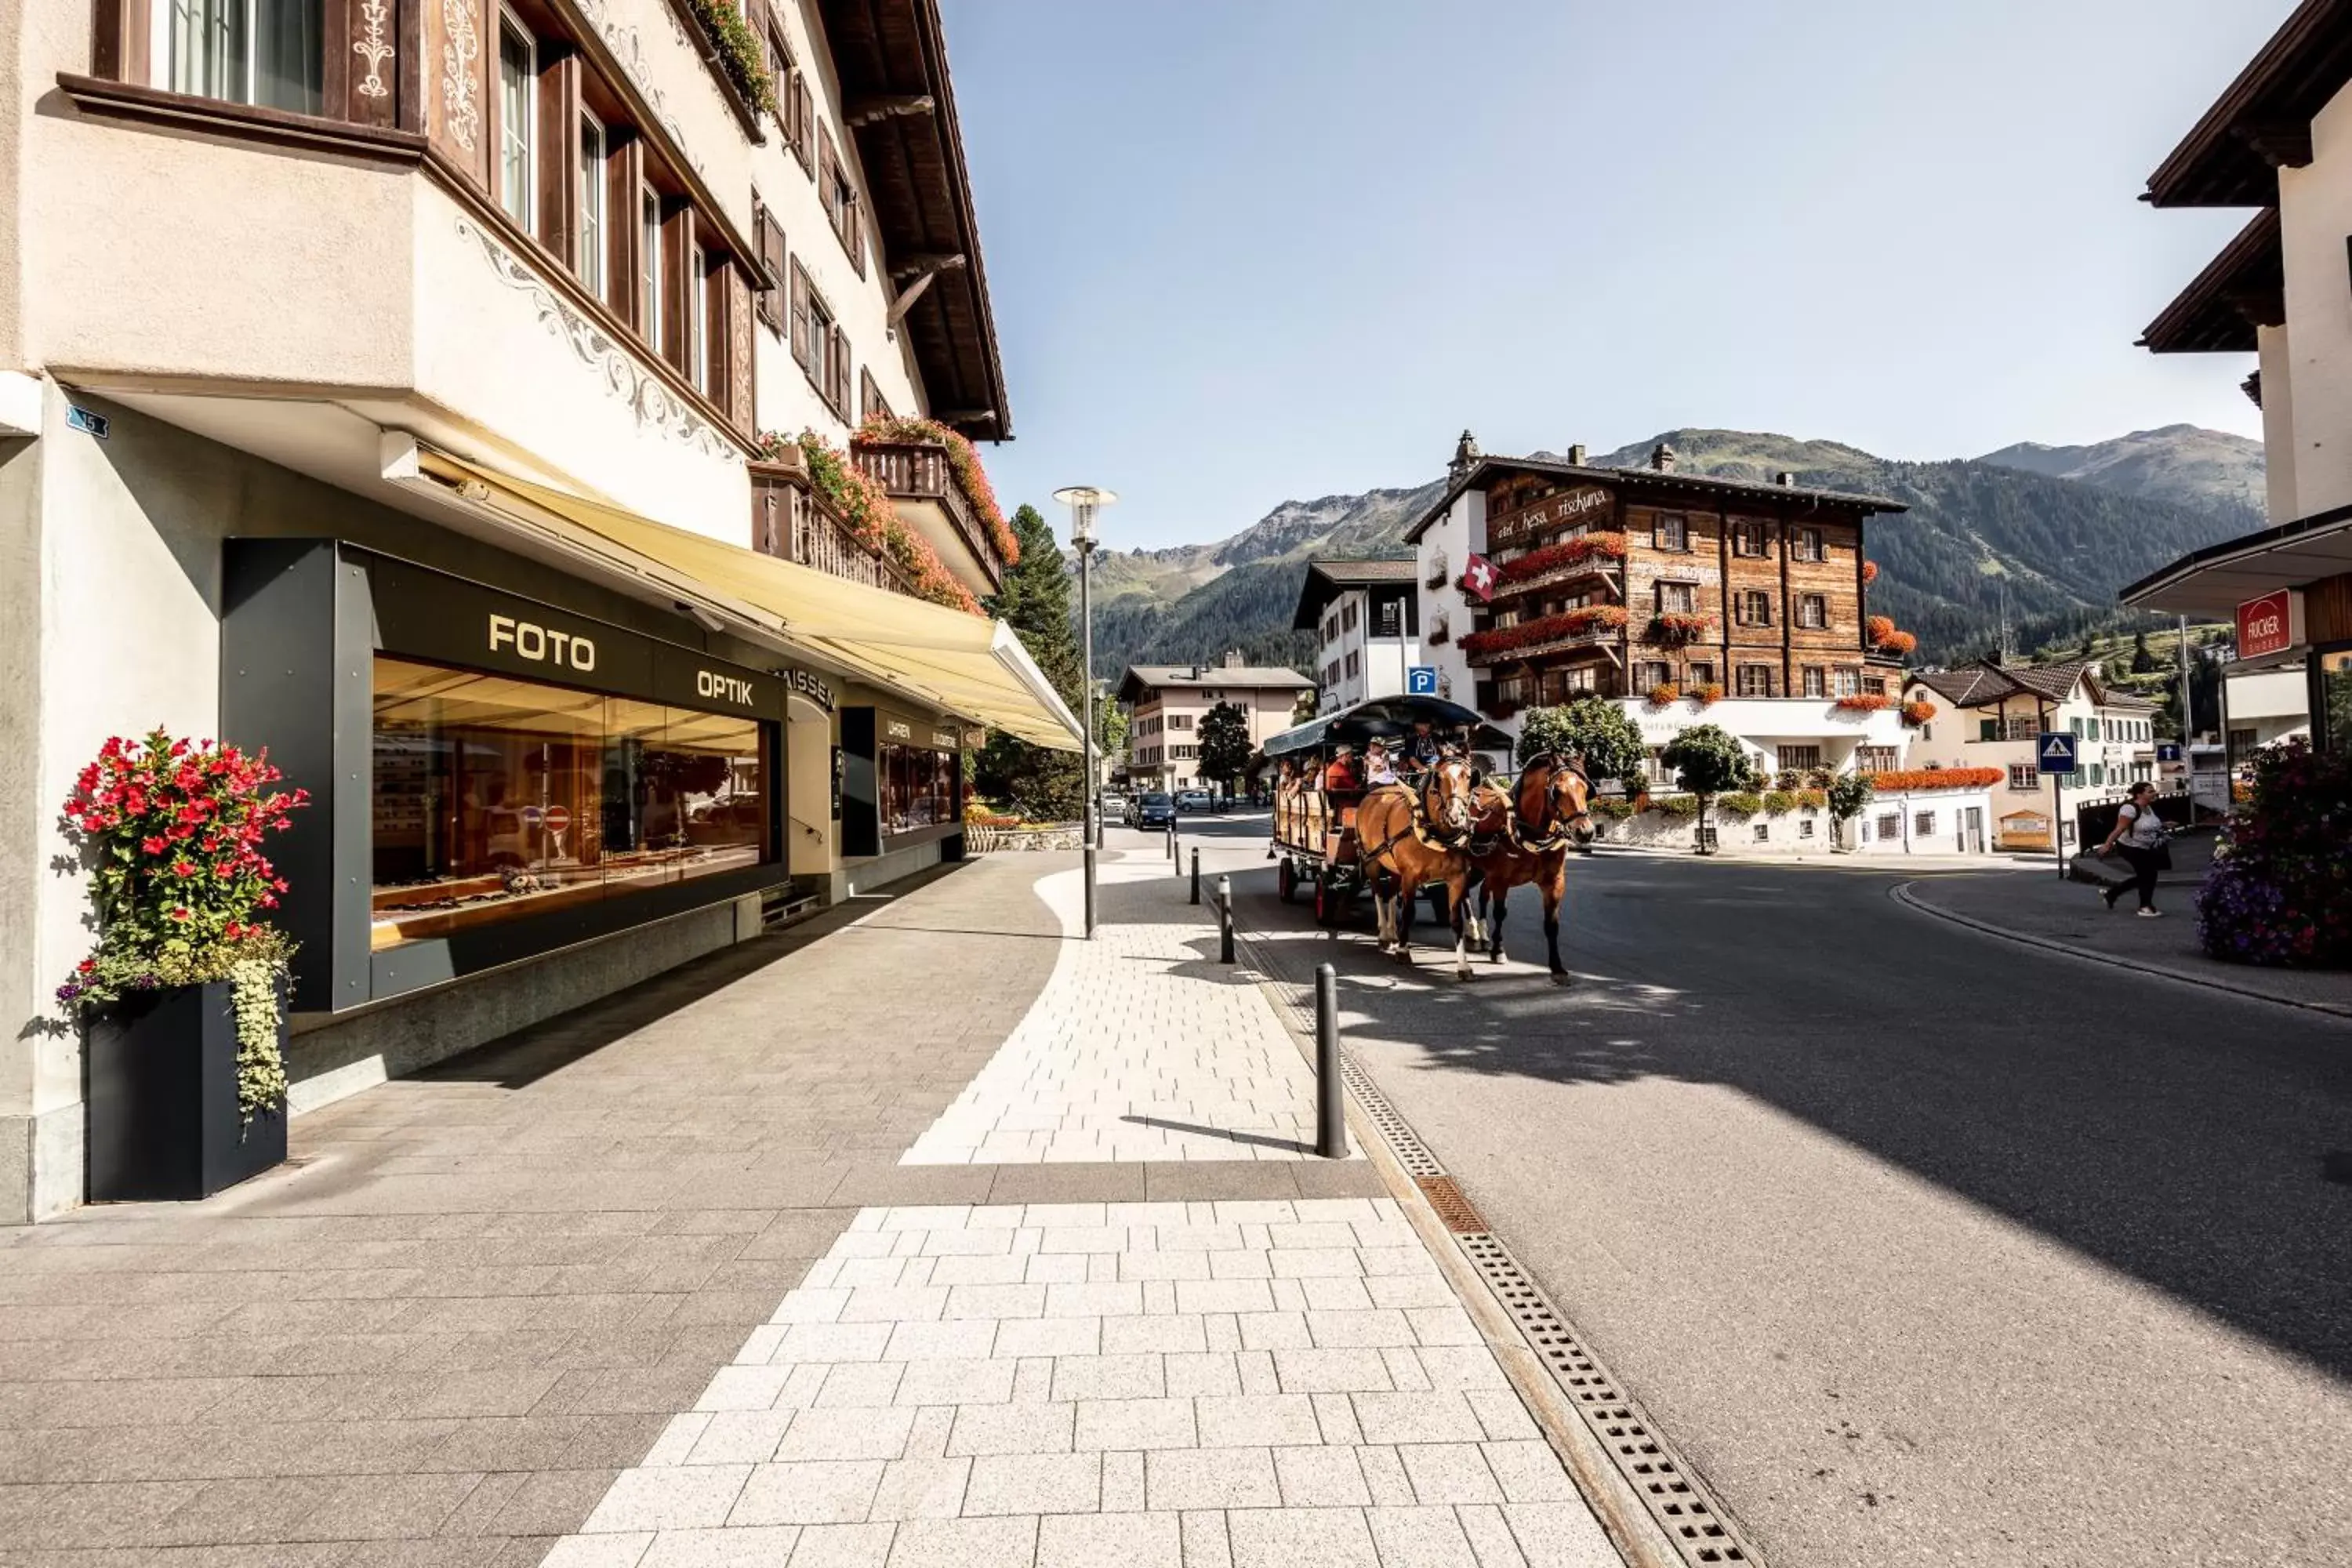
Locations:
column 2139, row 836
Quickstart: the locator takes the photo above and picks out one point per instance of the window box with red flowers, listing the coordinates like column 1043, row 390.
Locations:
column 1671, row 630
column 182, row 998
column 1898, row 781
column 1706, row 694
column 1664, row 693
column 1592, row 552
column 1915, row 715
column 1526, row 636
column 1864, row 702
column 1885, row 638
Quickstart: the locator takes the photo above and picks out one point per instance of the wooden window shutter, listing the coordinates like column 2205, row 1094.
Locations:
column 854, row 237
column 837, row 381
column 770, row 243
column 803, row 117
column 828, row 196
column 800, row 309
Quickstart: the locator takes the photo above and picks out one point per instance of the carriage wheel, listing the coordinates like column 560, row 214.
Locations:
column 1326, row 903
column 1285, row 879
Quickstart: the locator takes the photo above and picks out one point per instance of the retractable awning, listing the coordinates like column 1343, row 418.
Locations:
column 963, row 665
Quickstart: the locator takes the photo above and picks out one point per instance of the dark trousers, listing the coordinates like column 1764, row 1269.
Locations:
column 2144, row 865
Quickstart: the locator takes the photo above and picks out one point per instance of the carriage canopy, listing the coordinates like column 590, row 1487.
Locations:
column 1383, row 719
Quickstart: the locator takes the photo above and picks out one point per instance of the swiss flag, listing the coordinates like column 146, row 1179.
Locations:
column 1478, row 579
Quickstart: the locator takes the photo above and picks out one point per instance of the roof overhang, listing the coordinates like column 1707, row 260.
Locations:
column 891, row 59
column 2214, row 581
column 1322, row 587
column 2262, row 122
column 1666, row 482
column 2240, row 289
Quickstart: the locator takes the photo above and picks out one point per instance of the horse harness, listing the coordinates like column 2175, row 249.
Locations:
column 1556, row 836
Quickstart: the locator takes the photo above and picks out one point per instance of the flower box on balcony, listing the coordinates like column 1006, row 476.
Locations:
column 1592, row 553
column 1544, row 631
column 1860, row 702
column 1671, row 630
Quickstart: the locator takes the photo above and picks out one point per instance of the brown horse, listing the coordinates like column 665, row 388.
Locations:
column 1409, row 844
column 1531, row 825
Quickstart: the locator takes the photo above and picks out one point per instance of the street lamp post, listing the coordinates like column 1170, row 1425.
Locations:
column 1085, row 501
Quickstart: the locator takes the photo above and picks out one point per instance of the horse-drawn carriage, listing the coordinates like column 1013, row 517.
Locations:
column 1449, row 823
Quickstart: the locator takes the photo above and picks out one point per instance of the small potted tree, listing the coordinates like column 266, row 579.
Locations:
column 1848, row 793
column 182, row 999
column 1711, row 762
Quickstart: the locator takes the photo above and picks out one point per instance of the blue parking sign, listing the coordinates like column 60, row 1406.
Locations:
column 1420, row 681
column 2054, row 752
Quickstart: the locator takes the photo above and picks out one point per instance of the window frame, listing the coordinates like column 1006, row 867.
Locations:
column 1809, row 545
column 1673, row 525
column 1747, row 540
column 1814, row 612
column 1816, row 680
column 1741, row 683
column 508, row 118
column 1686, row 592
column 650, row 270
column 592, row 241
column 1750, row 602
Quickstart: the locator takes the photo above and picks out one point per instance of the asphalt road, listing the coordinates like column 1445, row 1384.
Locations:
column 1926, row 1247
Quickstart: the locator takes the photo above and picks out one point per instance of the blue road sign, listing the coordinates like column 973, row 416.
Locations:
column 2167, row 751
column 2054, row 752
column 1420, row 681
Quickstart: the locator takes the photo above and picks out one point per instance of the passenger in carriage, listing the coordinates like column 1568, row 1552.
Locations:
column 1343, row 776
column 1377, row 769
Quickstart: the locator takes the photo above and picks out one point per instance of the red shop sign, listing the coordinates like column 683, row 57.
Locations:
column 2272, row 624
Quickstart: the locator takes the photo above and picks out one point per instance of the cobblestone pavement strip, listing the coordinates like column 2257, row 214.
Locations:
column 648, row 1286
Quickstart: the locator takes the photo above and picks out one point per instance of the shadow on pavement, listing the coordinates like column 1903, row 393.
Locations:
column 2175, row 1134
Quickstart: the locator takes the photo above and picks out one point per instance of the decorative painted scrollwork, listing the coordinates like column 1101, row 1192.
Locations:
column 460, row 90
column 374, row 48
column 653, row 404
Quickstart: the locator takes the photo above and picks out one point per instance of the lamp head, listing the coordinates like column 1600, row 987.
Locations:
column 1084, row 501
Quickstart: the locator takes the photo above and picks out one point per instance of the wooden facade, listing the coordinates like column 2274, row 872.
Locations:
column 1769, row 591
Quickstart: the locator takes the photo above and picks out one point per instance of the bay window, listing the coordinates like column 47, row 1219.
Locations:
column 698, row 311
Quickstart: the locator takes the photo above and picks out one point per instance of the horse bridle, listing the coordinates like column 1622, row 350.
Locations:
column 1424, row 820
column 1559, row 828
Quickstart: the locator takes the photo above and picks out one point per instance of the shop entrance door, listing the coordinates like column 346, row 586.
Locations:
column 1973, row 830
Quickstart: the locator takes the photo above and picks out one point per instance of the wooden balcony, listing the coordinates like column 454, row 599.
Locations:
column 919, row 477
column 791, row 523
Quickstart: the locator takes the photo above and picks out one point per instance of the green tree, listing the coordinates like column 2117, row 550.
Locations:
column 1111, row 721
column 1849, row 794
column 1225, row 744
column 1034, row 601
column 1710, row 761
column 2142, row 661
column 1592, row 728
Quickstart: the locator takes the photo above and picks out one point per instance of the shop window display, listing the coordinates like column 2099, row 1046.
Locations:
column 919, row 787
column 496, row 798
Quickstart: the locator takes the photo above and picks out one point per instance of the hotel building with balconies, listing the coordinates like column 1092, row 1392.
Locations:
column 417, row 389
column 1687, row 597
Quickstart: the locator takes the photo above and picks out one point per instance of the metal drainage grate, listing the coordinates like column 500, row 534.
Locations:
column 1444, row 1195
column 1675, row 1500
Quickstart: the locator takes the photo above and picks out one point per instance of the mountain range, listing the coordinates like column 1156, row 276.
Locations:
column 2035, row 537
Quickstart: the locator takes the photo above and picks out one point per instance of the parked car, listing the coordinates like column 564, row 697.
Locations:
column 1194, row 800
column 1151, row 811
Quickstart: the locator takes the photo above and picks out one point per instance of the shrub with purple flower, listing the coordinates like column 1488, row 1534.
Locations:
column 2280, row 891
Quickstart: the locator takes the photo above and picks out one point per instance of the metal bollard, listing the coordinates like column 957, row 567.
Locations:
column 1224, row 919
column 1196, row 873
column 1090, row 890
column 1171, row 842
column 1330, row 1111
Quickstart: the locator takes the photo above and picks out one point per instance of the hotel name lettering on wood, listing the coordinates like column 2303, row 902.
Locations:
column 1584, row 501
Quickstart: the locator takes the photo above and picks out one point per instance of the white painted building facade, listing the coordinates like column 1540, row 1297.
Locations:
column 1366, row 616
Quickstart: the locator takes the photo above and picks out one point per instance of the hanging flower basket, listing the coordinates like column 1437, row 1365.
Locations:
column 1918, row 713
column 182, row 999
column 1864, row 702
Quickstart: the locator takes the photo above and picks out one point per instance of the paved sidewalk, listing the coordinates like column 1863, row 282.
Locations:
column 2068, row 916
column 649, row 1284
column 1072, row 1385
column 1140, row 1047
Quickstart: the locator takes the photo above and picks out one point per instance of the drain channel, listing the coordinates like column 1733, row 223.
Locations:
column 1676, row 1499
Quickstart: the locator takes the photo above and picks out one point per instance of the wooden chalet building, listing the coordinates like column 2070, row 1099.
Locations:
column 1682, row 594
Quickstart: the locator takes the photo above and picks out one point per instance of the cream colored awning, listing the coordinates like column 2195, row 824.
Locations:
column 963, row 665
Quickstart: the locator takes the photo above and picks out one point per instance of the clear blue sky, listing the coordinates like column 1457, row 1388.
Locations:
column 1248, row 250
